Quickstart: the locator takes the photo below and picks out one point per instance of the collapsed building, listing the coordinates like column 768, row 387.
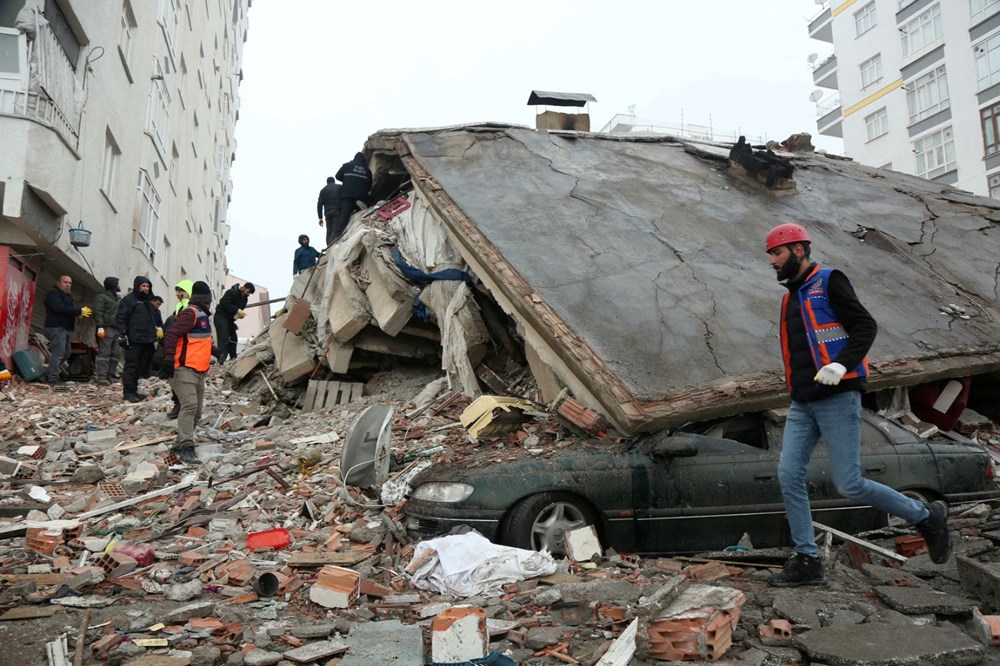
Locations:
column 630, row 271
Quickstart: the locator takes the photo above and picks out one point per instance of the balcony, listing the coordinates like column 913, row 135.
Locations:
column 821, row 27
column 36, row 107
column 825, row 73
column 830, row 121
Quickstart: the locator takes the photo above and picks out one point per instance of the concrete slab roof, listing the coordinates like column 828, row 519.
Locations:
column 640, row 261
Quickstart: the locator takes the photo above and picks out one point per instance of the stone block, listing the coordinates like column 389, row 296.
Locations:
column 291, row 354
column 459, row 634
column 987, row 627
column 338, row 356
column 391, row 311
column 582, row 544
column 386, row 642
column 348, row 311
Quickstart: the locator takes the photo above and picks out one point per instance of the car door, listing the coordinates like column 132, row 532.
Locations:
column 708, row 500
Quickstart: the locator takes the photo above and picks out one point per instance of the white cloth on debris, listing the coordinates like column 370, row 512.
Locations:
column 468, row 564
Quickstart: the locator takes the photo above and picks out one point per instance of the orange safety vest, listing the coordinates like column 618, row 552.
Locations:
column 194, row 350
column 826, row 335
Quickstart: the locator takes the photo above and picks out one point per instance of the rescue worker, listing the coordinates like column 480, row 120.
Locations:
column 825, row 335
column 230, row 309
column 137, row 332
column 305, row 257
column 189, row 344
column 61, row 312
column 182, row 290
column 106, row 319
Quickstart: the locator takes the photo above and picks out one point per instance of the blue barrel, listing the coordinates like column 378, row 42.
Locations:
column 28, row 364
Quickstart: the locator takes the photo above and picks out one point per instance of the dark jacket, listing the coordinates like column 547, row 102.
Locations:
column 305, row 258
column 857, row 321
column 329, row 200
column 356, row 177
column 60, row 310
column 135, row 315
column 231, row 302
column 106, row 304
column 182, row 324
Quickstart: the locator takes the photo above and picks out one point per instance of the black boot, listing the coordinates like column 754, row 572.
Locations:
column 186, row 454
column 132, row 396
column 799, row 570
column 174, row 413
column 934, row 530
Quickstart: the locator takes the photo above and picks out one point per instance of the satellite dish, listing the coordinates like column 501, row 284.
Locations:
column 815, row 95
column 813, row 57
column 820, row 2
column 364, row 459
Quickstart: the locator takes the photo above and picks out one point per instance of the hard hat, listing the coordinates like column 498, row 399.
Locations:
column 783, row 234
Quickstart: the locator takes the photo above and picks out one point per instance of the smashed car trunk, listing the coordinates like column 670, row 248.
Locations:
column 631, row 271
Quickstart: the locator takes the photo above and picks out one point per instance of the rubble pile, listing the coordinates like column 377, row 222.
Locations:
column 262, row 555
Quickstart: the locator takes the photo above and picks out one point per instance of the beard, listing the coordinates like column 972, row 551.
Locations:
column 790, row 268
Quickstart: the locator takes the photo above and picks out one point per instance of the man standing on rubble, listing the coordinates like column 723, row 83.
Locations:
column 182, row 290
column 187, row 354
column 357, row 182
column 328, row 208
column 137, row 331
column 106, row 320
column 825, row 335
column 230, row 309
column 305, row 257
column 61, row 312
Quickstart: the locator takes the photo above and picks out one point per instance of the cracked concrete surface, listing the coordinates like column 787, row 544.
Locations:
column 652, row 256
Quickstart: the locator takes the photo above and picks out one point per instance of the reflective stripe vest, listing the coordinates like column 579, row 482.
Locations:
column 827, row 336
column 194, row 350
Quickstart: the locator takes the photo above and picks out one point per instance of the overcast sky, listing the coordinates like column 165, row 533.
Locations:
column 321, row 76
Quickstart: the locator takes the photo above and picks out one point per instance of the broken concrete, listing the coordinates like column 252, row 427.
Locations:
column 890, row 645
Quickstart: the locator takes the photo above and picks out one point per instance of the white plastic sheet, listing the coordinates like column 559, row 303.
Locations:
column 468, row 564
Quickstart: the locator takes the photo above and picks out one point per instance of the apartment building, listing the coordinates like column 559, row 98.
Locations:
column 913, row 85
column 116, row 127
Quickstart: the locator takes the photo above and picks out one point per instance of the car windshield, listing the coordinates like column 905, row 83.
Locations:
column 727, row 434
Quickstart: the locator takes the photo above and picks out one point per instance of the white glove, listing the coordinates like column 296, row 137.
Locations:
column 830, row 374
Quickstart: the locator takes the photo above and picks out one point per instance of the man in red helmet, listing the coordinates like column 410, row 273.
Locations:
column 825, row 334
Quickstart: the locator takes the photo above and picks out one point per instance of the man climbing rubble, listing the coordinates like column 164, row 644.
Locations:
column 188, row 345
column 825, row 335
column 357, row 182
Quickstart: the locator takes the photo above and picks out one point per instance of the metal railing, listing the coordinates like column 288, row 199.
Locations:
column 828, row 105
column 623, row 123
column 36, row 107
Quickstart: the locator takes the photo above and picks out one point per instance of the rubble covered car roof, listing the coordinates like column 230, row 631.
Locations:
column 636, row 265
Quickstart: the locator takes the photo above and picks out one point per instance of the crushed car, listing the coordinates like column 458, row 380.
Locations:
column 699, row 487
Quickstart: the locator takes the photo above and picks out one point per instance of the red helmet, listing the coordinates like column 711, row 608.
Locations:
column 784, row 234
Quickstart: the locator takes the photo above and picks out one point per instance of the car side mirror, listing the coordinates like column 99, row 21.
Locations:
column 674, row 449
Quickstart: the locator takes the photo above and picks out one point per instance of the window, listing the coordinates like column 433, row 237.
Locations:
column 935, row 153
column 165, row 256
column 864, row 18
column 13, row 60
column 63, row 30
column 921, row 33
column 217, row 222
column 159, row 108
column 979, row 9
column 994, row 184
column 220, row 160
column 169, row 20
column 988, row 61
column 990, row 117
column 147, row 216
column 876, row 124
column 127, row 35
column 927, row 95
column 182, row 75
column 110, row 165
column 871, row 70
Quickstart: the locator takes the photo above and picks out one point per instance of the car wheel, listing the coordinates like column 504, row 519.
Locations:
column 924, row 496
column 542, row 521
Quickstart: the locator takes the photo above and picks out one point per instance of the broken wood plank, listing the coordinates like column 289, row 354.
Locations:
column 621, row 651
column 29, row 612
column 310, row 399
column 41, row 580
column 81, row 639
column 145, row 442
column 867, row 545
column 347, row 559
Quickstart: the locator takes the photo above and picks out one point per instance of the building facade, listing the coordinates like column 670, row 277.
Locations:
column 116, row 121
column 913, row 85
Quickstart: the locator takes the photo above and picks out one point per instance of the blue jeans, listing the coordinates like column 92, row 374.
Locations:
column 837, row 420
column 58, row 350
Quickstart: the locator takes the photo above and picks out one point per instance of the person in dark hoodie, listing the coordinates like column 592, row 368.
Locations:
column 61, row 312
column 305, row 257
column 136, row 334
column 188, row 344
column 106, row 320
column 357, row 181
column 229, row 310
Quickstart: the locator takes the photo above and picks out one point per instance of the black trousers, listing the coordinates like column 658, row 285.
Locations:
column 225, row 335
column 333, row 231
column 331, row 225
column 138, row 357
